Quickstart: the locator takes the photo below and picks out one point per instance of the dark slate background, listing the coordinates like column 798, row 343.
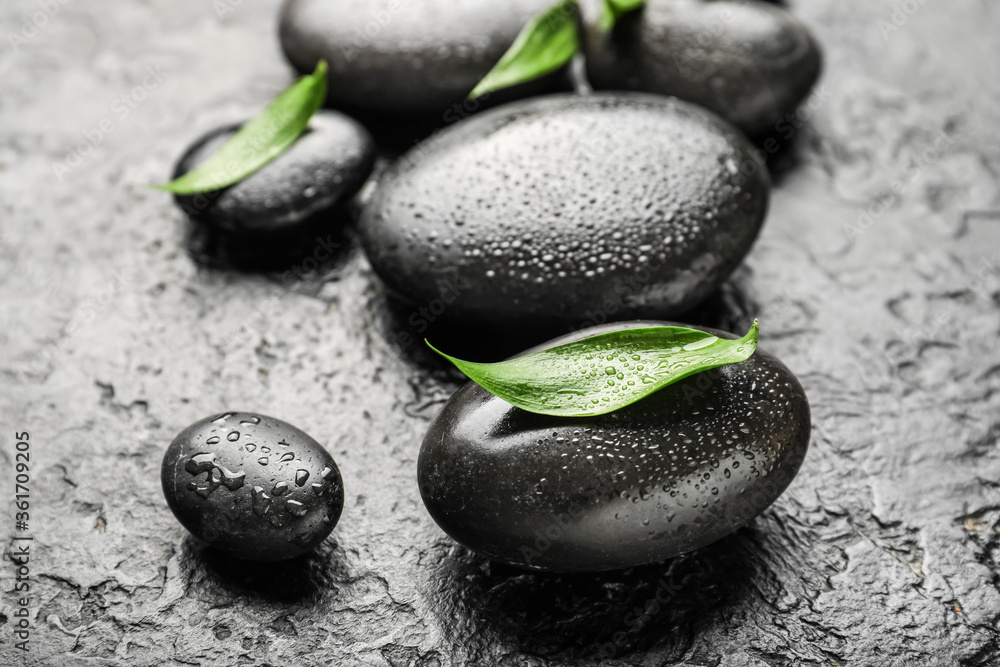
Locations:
column 884, row 551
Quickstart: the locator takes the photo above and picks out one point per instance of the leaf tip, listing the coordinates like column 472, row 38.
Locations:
column 481, row 89
column 458, row 363
column 428, row 343
column 752, row 335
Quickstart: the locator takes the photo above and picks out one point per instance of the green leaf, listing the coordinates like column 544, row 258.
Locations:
column 260, row 140
column 613, row 9
column 605, row 372
column 547, row 43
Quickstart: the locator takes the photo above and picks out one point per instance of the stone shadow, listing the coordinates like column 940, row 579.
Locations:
column 297, row 580
column 318, row 244
column 601, row 615
column 405, row 326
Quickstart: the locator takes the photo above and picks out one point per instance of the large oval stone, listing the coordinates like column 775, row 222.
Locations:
column 751, row 62
column 671, row 473
column 252, row 486
column 554, row 212
column 403, row 56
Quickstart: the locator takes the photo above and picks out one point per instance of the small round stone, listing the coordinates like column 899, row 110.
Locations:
column 252, row 486
column 671, row 473
column 551, row 213
column 751, row 62
column 325, row 166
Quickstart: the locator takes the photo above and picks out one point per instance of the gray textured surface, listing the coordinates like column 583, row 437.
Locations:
column 884, row 551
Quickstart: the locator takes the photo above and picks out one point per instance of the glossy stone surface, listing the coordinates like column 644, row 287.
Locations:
column 252, row 486
column 751, row 62
column 403, row 56
column 671, row 473
column 327, row 164
column 554, row 211
column 883, row 549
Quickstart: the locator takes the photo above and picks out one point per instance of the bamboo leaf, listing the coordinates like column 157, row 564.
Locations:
column 260, row 140
column 605, row 372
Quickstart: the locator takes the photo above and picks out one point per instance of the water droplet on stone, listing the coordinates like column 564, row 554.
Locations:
column 261, row 501
column 295, row 508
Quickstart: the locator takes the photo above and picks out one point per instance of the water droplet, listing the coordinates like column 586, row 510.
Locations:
column 280, row 489
column 263, row 460
column 261, row 501
column 233, row 436
column 295, row 508
column 698, row 344
column 301, row 476
column 200, row 463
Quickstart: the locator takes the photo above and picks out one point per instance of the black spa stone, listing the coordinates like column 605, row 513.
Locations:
column 556, row 211
column 325, row 166
column 405, row 57
column 669, row 474
column 751, row 62
column 252, row 486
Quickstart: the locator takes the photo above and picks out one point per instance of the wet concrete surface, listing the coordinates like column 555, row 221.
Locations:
column 876, row 280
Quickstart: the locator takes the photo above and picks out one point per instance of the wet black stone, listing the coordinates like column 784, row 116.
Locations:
column 410, row 57
column 327, row 164
column 672, row 473
column 557, row 212
column 750, row 62
column 252, row 486
column 288, row 210
column 273, row 216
